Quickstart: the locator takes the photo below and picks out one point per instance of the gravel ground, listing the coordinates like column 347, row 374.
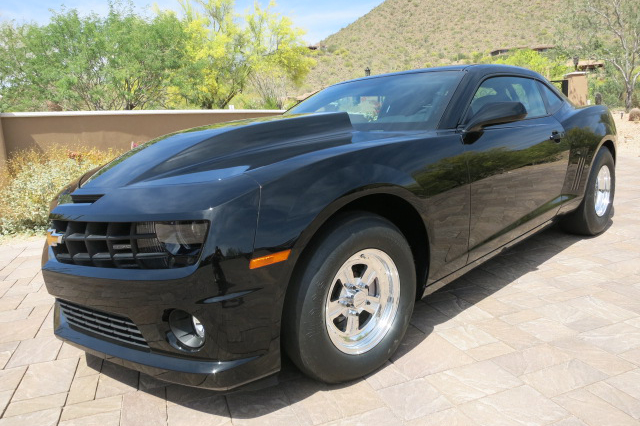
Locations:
column 628, row 134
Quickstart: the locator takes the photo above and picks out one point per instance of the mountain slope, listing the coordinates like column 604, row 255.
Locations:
column 405, row 34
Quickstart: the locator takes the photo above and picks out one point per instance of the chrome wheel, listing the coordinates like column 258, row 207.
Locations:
column 362, row 301
column 602, row 193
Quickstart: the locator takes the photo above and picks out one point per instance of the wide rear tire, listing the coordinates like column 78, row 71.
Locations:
column 595, row 211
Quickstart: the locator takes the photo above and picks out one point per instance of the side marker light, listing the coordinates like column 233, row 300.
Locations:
column 269, row 259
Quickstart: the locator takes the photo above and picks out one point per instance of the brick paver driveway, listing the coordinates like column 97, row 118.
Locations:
column 547, row 333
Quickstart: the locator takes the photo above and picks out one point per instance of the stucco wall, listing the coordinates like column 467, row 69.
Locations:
column 103, row 129
column 578, row 88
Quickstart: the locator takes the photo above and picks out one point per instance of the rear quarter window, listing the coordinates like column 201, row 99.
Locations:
column 553, row 100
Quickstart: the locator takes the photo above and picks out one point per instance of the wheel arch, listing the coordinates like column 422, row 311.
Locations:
column 608, row 143
column 388, row 204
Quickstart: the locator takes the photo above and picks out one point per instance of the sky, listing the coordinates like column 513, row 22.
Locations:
column 319, row 18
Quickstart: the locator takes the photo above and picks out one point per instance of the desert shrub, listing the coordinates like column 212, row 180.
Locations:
column 634, row 114
column 33, row 178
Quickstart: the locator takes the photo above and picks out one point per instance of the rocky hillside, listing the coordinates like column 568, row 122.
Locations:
column 405, row 34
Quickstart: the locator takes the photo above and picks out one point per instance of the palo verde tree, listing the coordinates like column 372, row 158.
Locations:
column 223, row 50
column 550, row 68
column 609, row 30
column 282, row 60
column 121, row 61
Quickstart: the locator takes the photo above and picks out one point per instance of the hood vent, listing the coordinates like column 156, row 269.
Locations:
column 85, row 198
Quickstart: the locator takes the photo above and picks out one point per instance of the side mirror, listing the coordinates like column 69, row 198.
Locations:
column 496, row 113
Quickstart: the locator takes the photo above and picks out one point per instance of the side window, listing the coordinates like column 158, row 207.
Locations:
column 509, row 89
column 553, row 100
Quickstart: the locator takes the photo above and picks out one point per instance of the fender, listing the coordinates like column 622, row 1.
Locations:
column 305, row 224
column 327, row 213
column 586, row 136
column 326, row 195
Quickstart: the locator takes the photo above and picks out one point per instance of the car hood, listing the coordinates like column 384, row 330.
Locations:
column 220, row 151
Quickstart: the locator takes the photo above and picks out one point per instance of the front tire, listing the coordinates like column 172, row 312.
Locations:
column 350, row 301
column 596, row 209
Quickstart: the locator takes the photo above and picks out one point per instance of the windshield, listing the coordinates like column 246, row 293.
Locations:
column 392, row 103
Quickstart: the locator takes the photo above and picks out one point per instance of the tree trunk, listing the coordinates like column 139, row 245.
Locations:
column 628, row 102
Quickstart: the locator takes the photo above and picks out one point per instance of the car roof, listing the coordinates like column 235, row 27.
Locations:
column 478, row 69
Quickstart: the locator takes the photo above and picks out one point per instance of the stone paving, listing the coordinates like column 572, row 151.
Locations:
column 547, row 333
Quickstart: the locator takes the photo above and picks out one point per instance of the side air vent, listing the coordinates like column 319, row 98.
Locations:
column 579, row 171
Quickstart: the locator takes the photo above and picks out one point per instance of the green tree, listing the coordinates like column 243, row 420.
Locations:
column 122, row 61
column 609, row 30
column 143, row 56
column 609, row 84
column 272, row 87
column 281, row 58
column 8, row 62
column 535, row 61
column 224, row 50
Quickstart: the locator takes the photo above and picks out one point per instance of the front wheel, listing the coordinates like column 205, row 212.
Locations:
column 351, row 300
column 596, row 209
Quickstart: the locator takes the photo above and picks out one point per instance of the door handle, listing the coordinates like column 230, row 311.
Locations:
column 556, row 136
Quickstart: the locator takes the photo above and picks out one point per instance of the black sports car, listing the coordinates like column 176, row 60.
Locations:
column 199, row 256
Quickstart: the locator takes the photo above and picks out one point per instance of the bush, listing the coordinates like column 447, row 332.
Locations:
column 634, row 114
column 609, row 88
column 33, row 178
column 551, row 68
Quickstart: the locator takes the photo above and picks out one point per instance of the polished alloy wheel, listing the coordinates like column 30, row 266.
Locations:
column 362, row 301
column 603, row 191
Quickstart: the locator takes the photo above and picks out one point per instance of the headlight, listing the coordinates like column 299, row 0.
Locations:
column 182, row 240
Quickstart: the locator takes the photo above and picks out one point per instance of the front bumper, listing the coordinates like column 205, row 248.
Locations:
column 215, row 375
column 242, row 323
column 239, row 307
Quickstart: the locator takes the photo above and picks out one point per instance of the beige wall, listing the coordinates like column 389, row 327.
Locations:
column 103, row 129
column 578, row 88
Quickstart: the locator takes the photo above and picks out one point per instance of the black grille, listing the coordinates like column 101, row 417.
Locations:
column 107, row 325
column 111, row 245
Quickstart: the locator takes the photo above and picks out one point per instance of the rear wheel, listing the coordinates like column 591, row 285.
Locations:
column 351, row 300
column 596, row 209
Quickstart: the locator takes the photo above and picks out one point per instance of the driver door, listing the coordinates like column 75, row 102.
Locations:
column 516, row 170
